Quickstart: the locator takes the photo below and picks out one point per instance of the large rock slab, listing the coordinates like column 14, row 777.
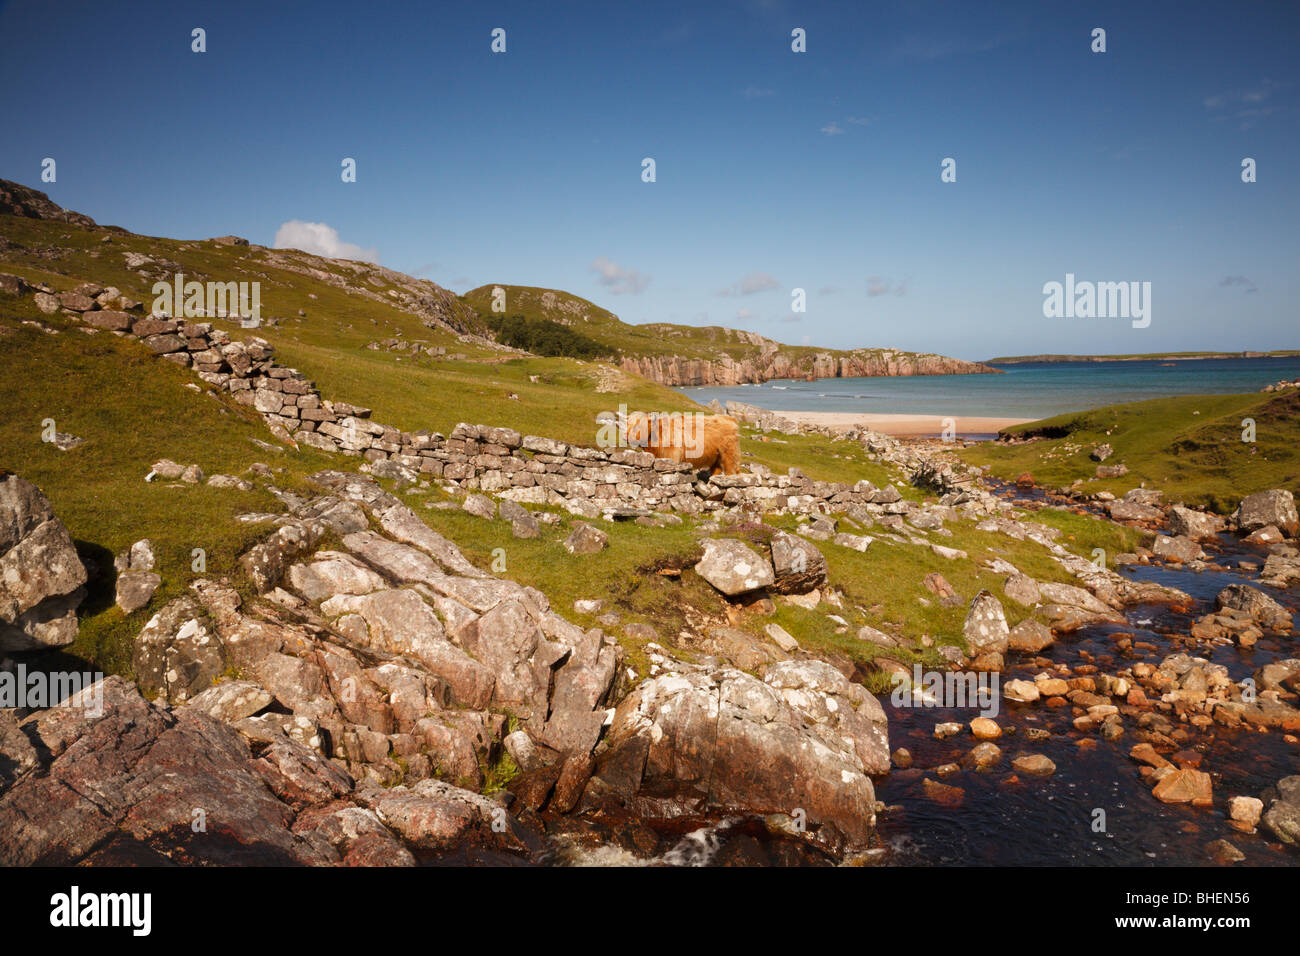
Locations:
column 705, row 737
column 1275, row 507
column 41, row 577
column 138, row 778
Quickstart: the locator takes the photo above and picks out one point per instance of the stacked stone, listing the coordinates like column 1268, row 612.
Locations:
column 527, row 469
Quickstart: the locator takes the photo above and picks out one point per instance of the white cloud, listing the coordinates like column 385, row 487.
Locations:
column 744, row 314
column 618, row 279
column 321, row 240
column 754, row 282
column 832, row 129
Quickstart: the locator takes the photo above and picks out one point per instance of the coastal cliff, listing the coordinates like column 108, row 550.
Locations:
column 677, row 370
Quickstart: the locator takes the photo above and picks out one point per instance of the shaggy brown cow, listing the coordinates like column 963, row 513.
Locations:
column 705, row 441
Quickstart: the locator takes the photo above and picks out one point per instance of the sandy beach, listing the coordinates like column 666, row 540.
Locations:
column 903, row 425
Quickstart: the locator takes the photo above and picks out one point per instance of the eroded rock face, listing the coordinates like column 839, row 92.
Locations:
column 41, row 577
column 132, row 778
column 804, row 739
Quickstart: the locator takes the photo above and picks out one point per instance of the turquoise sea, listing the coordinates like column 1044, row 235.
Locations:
column 1030, row 390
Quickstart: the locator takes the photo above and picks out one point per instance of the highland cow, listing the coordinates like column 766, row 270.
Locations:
column 709, row 442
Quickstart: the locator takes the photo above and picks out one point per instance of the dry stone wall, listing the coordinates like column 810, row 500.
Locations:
column 525, row 468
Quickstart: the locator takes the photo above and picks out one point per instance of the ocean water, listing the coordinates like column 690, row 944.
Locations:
column 1032, row 390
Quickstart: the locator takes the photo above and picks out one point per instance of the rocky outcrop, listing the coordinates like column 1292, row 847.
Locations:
column 42, row 580
column 19, row 200
column 804, row 740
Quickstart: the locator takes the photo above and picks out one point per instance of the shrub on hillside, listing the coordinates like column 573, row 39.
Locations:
column 544, row 337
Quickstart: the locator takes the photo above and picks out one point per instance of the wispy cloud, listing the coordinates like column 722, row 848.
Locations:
column 877, row 286
column 320, row 240
column 832, row 129
column 1244, row 106
column 756, row 92
column 618, row 279
column 1246, row 285
column 750, row 284
column 744, row 314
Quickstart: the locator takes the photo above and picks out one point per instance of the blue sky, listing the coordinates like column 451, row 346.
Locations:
column 775, row 169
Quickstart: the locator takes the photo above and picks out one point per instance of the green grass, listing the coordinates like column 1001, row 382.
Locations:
column 131, row 409
column 1190, row 447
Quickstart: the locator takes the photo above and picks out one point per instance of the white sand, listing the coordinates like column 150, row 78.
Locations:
column 902, row 425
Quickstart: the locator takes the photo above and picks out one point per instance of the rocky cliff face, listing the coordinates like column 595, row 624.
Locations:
column 675, row 370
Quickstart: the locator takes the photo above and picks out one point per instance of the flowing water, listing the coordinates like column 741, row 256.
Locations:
column 1049, row 820
column 1009, row 819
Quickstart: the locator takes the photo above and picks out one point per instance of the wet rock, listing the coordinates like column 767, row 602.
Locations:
column 1245, row 810
column 1021, row 691
column 985, row 729
column 1185, row 786
column 1223, row 852
column 942, row 793
column 1257, row 605
column 1034, row 764
column 984, row 755
column 1282, row 818
column 733, row 567
column 41, row 577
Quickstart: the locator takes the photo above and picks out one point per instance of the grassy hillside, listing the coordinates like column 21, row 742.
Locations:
column 131, row 409
column 1190, row 447
column 624, row 339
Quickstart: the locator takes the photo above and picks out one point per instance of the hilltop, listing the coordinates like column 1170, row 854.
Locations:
column 677, row 355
